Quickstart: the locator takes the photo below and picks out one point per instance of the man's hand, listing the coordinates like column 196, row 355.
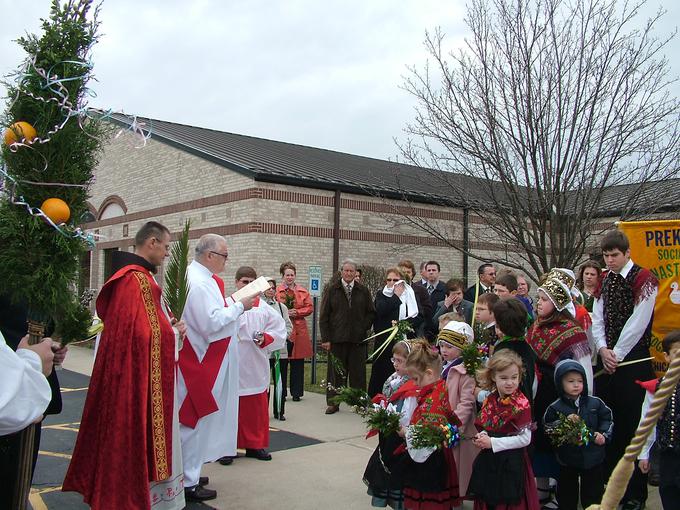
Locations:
column 59, row 353
column 42, row 349
column 326, row 346
column 608, row 360
column 600, row 439
column 643, row 464
column 181, row 327
column 247, row 303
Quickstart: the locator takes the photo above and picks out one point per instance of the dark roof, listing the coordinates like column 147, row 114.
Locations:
column 299, row 165
column 287, row 163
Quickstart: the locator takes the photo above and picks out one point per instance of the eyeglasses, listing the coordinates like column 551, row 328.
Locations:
column 247, row 281
column 225, row 255
column 393, row 279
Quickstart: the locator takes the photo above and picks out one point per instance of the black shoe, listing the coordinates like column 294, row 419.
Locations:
column 296, row 399
column 226, row 461
column 332, row 409
column 198, row 493
column 633, row 504
column 203, row 481
column 282, row 418
column 260, row 454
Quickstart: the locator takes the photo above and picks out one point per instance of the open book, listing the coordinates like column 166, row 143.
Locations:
column 252, row 289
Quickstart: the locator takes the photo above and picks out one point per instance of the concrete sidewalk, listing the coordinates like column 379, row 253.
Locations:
column 327, row 475
column 311, row 477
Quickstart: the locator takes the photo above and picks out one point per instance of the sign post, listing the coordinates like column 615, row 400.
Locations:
column 315, row 292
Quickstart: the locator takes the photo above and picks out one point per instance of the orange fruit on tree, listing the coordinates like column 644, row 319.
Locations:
column 19, row 131
column 56, row 209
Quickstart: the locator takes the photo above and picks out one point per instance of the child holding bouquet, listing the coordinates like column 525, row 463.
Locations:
column 430, row 476
column 384, row 480
column 461, row 389
column 578, row 425
column 502, row 477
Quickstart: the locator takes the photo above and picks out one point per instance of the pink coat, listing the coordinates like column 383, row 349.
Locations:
column 461, row 388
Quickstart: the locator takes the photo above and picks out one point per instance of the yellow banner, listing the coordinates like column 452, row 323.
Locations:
column 655, row 245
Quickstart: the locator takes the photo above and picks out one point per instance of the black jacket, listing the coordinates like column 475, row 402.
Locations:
column 595, row 413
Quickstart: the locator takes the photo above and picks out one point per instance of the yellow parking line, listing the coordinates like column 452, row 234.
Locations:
column 54, row 454
column 67, row 390
column 36, row 500
column 63, row 426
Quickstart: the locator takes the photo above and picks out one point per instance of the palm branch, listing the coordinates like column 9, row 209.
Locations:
column 176, row 288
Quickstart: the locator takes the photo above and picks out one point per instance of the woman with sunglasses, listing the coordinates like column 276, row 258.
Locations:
column 396, row 301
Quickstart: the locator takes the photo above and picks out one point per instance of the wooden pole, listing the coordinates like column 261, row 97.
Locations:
column 22, row 488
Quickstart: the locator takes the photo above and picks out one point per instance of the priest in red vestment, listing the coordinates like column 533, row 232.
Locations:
column 124, row 448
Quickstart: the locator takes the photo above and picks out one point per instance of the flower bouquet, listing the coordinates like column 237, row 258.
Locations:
column 382, row 417
column 569, row 430
column 474, row 357
column 433, row 435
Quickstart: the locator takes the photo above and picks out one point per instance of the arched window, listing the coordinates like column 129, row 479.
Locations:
column 111, row 207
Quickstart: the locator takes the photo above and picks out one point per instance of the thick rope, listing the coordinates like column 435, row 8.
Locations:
column 618, row 481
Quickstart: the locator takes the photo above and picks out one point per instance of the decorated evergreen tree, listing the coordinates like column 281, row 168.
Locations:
column 50, row 148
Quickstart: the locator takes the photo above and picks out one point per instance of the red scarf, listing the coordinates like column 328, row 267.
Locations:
column 507, row 415
column 553, row 341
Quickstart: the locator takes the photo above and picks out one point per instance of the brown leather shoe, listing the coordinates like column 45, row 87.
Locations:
column 332, row 409
column 198, row 493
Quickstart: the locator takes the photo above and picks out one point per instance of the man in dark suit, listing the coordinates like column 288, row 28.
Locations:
column 437, row 292
column 347, row 312
column 487, row 277
column 454, row 302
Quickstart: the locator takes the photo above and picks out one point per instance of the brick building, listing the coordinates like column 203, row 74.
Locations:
column 273, row 201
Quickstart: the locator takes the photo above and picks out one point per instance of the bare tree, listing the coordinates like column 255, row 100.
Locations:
column 547, row 107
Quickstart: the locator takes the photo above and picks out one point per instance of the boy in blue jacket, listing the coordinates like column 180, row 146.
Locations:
column 579, row 463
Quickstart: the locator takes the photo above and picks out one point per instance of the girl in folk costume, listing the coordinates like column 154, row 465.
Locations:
column 502, row 478
column 579, row 311
column 299, row 304
column 554, row 336
column 461, row 389
column 382, row 474
column 430, row 476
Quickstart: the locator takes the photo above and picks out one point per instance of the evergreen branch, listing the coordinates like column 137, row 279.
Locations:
column 176, row 288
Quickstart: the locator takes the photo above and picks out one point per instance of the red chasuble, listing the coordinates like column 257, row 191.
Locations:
column 125, row 438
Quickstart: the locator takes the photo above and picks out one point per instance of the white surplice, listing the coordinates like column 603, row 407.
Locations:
column 253, row 360
column 25, row 391
column 208, row 320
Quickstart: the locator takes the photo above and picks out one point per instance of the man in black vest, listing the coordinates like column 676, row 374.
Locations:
column 622, row 325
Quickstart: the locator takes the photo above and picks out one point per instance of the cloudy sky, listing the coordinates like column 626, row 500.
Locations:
column 319, row 73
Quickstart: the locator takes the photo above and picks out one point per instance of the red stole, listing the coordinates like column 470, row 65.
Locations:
column 199, row 376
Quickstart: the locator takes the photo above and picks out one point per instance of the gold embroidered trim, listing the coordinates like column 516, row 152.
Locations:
column 157, row 418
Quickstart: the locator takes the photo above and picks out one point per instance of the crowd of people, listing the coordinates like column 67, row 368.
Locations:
column 168, row 394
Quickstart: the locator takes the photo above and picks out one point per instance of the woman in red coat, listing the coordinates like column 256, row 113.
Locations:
column 299, row 304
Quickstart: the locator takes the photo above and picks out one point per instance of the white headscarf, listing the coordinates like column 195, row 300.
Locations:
column 409, row 305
